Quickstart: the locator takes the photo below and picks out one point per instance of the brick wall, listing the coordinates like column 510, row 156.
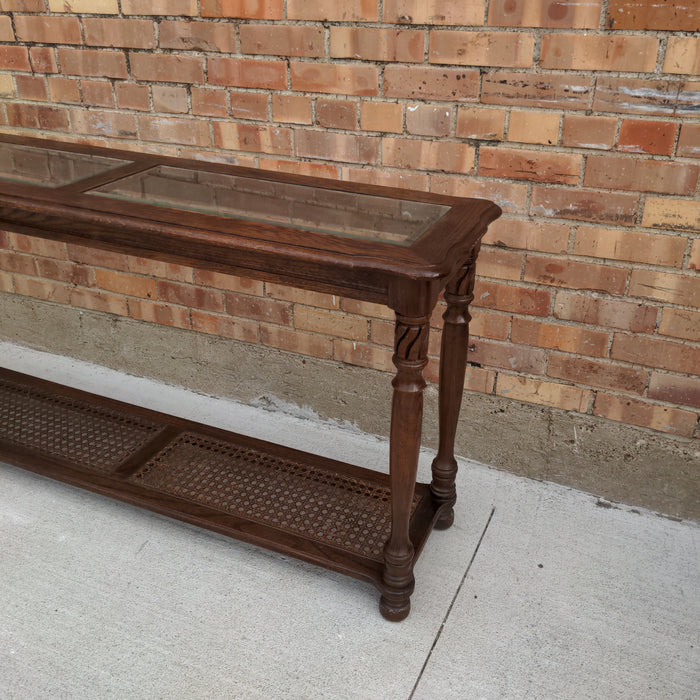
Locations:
column 579, row 118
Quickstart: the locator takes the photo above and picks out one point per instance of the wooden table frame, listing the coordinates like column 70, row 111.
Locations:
column 407, row 278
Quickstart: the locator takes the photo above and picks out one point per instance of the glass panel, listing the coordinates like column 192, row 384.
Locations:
column 384, row 219
column 50, row 167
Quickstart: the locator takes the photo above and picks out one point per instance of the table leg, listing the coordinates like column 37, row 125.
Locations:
column 410, row 357
column 453, row 362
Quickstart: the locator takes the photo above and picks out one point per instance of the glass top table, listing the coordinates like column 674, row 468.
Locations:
column 371, row 243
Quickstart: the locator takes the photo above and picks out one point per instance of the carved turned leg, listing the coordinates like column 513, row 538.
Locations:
column 453, row 363
column 410, row 357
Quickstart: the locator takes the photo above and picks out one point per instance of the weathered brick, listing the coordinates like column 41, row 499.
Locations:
column 97, row 257
column 336, row 114
column 428, row 120
column 280, row 165
column 564, row 396
column 608, row 313
column 130, row 33
column 480, row 123
column 167, row 68
column 675, row 389
column 209, row 102
column 387, row 178
column 338, row 147
column 528, row 126
column 248, row 73
column 575, row 275
column 599, row 52
column 521, row 164
column 159, row 7
column 499, row 263
column 331, row 323
column 43, row 289
column 6, row 31
column 689, row 141
column 664, row 286
column 251, row 137
column 694, row 259
column 646, row 415
column 124, row 283
column 95, row 7
column 431, row 83
column 158, row 268
column 647, row 136
column 11, row 261
column 215, row 324
column 465, row 12
column 47, row 30
column 682, row 55
column 63, row 89
column 155, row 312
column 585, row 205
column 168, row 98
column 29, row 87
column 635, row 96
column 655, row 352
column 189, row 295
column 679, row 214
column 366, row 308
column 197, row 36
column 192, row 132
column 335, row 78
column 520, row 300
column 381, row 116
column 582, row 341
column 621, row 244
column 249, row 105
column 103, row 64
column 640, row 14
column 23, row 5
column 596, row 373
column 374, row 44
column 37, row 246
column 258, row 308
column 97, row 93
column 7, row 85
column 583, row 131
column 281, row 40
column 14, row 58
column 362, row 354
column 230, row 283
column 515, row 358
column 130, row 96
column 567, row 91
column 296, row 341
column 243, row 9
column 545, row 13
column 37, row 117
column 295, row 109
column 528, row 235
column 302, row 296
column 102, row 123
column 43, row 59
column 680, row 323
column 510, row 196
column 99, row 301
column 332, row 11
column 505, row 49
column 427, row 155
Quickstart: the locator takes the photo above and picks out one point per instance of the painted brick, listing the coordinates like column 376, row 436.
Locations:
column 521, row 164
column 582, row 341
column 583, row 131
column 337, row 147
column 167, row 68
column 197, row 36
column 663, row 286
column 515, row 358
column 679, row 214
column 159, row 7
column 620, row 244
column 302, row 296
column 645, row 136
column 13, row 58
column 640, row 14
column 680, row 323
column 564, row 396
column 431, row 83
column 258, row 308
column 374, row 44
column 247, row 73
column 37, row 117
column 505, row 49
column 95, row 7
column 169, row 99
column 545, row 13
column 635, row 96
column 281, row 40
column 296, row 109
column 130, row 96
column 520, row 300
column 64, row 89
column 567, row 91
column 131, row 33
column 597, row 373
column 575, row 275
column 682, row 55
column 215, row 324
column 674, row 389
column 97, row 93
column 362, row 355
column 499, row 263
column 164, row 314
column 646, row 415
column 599, row 52
column 689, row 141
column 331, row 323
column 465, row 12
column 510, row 196
column 534, row 127
column 103, row 64
column 244, row 9
column 528, row 235
column 335, row 78
column 428, row 120
column 381, row 116
column 208, row 102
column 43, row 289
column 29, row 87
column 43, row 59
column 336, row 114
column 480, row 123
column 655, row 352
column 296, row 341
column 427, row 155
column 251, row 137
column 608, row 313
column 332, row 11
column 191, row 132
column 582, row 205
column 47, row 30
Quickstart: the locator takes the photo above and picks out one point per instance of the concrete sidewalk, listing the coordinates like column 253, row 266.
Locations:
column 536, row 592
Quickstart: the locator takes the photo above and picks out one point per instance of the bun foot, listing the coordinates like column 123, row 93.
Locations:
column 393, row 609
column 445, row 519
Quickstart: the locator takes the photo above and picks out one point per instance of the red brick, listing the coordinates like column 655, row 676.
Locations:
column 281, row 40
column 7, row 89
column 244, row 9
column 37, row 117
column 293, row 109
column 599, row 52
column 567, row 91
column 675, row 214
column 6, row 31
column 43, row 59
column 366, row 308
column 238, row 329
column 585, row 205
column 427, row 155
column 258, row 308
column 23, row 5
column 302, row 296
column 643, row 136
column 48, row 30
column 386, row 117
column 640, row 14
column 30, row 87
column 331, row 323
column 675, row 289
column 431, row 83
column 515, row 358
column 520, row 300
column 564, row 396
column 465, row 12
column 545, row 13
column 130, row 33
column 64, row 89
column 428, row 120
column 481, row 123
column 499, row 263
column 102, row 123
column 680, row 323
column 95, row 256
column 338, row 147
column 164, row 314
column 296, row 167
column 582, row 341
column 169, row 99
column 156, row 268
column 674, row 389
column 103, row 64
column 99, row 301
column 374, row 44
column 689, row 141
column 159, row 7
column 130, row 285
column 341, row 79
column 296, row 341
column 97, row 93
column 249, row 105
column 596, row 373
column 635, row 96
column 22, row 264
column 521, row 164
column 575, row 275
column 43, row 289
column 528, row 235
column 583, row 131
column 609, row 313
column 188, row 295
column 197, row 36
column 102, row 7
column 682, row 55
column 230, row 283
column 209, row 102
column 248, row 73
column 36, row 246
column 167, row 68
column 362, row 355
column 387, row 178
column 336, row 114
column 192, row 132
column 251, row 137
column 332, row 11
column 14, row 58
column 646, row 415
column 694, row 259
column 506, row 49
column 130, row 96
column 510, row 196
column 656, row 353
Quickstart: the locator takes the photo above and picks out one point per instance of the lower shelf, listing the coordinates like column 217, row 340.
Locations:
column 320, row 510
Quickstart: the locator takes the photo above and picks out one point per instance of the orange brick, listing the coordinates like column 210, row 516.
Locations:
column 488, row 325
column 167, row 68
column 43, row 289
column 583, row 341
column 197, row 36
column 331, row 11
column 248, row 73
column 156, row 268
column 6, row 31
column 689, row 141
column 230, row 283
column 428, row 120
column 97, row 93
column 258, row 308
column 599, row 52
column 64, row 89
column 48, row 30
column 521, row 164
column 694, row 260
column 337, row 78
column 515, row 358
column 597, row 373
column 638, row 14
column 386, row 117
column 250, row 137
column 103, row 64
column 23, row 5
column 609, row 313
column 480, row 123
column 545, row 13
column 583, row 131
column 14, row 58
column 663, row 286
column 575, row 275
column 520, row 300
column 29, row 87
column 427, row 155
column 465, row 12
column 238, row 329
column 619, row 244
column 302, row 296
column 169, row 99
column 564, row 396
column 678, row 214
column 158, row 7
column 130, row 33
column 94, row 256
column 646, row 415
column 130, row 285
column 362, row 355
column 655, row 352
column 188, row 295
column 499, row 263
column 387, row 178
column 244, row 9
column 101, row 123
column 299, row 168
column 635, row 96
column 336, row 114
column 534, row 127
column 682, row 55
column 583, row 205
column 99, row 301
column 431, row 83
column 37, row 117
column 510, row 196
column 644, row 136
column 567, row 91
column 7, row 87
column 43, row 59
column 154, row 312
column 675, row 389
column 330, row 323
column 506, row 49
column 338, row 147
column 281, row 40
column 96, row 7
column 296, row 341
column 130, row 96
column 373, row 44
column 366, row 308
column 209, row 102
column 680, row 323
column 295, row 109
column 190, row 132
column 6, row 282
column 249, row 105
column 528, row 235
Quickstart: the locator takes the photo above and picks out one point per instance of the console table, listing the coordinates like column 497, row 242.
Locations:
column 376, row 244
